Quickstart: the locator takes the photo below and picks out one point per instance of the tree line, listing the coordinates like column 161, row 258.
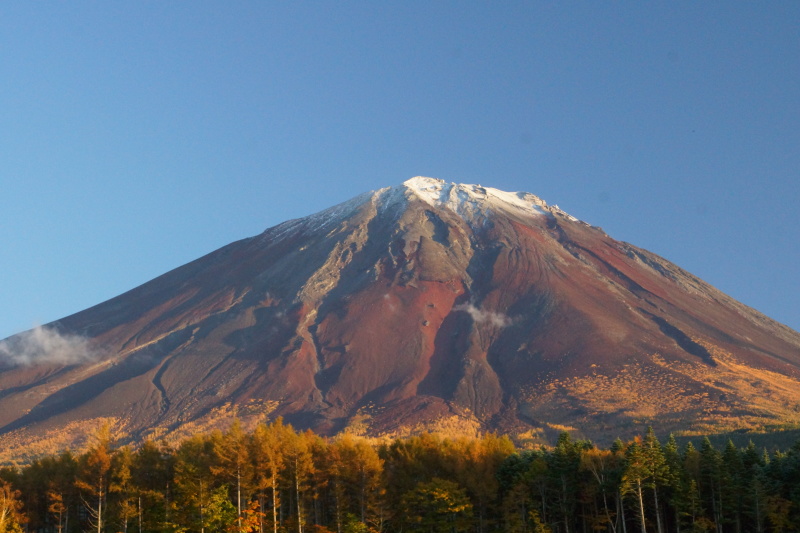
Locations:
column 276, row 479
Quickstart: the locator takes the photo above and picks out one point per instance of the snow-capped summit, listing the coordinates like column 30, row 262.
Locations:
column 468, row 200
column 475, row 204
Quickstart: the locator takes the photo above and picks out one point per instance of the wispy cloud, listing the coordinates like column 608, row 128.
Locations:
column 43, row 345
column 481, row 316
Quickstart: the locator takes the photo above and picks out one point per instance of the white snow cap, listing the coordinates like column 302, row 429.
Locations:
column 474, row 203
column 468, row 200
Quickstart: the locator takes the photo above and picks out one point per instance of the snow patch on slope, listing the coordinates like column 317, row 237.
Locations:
column 323, row 220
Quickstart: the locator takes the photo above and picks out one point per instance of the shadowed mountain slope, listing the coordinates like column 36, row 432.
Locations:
column 425, row 306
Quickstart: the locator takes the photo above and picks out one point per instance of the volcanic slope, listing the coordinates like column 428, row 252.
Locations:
column 431, row 305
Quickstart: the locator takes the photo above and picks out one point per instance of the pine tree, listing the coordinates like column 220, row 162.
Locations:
column 121, row 486
column 269, row 459
column 437, row 506
column 618, row 448
column 733, row 486
column 192, row 481
column 50, row 493
column 517, row 508
column 153, row 472
column 538, row 477
column 299, row 469
column 221, row 513
column 711, row 481
column 603, row 467
column 658, row 471
column 474, row 464
column 634, row 478
column 563, row 466
column 675, row 482
column 777, row 505
column 232, row 463
column 754, row 491
column 356, row 481
column 93, row 478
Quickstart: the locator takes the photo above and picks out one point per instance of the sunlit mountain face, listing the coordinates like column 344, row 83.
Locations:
column 426, row 306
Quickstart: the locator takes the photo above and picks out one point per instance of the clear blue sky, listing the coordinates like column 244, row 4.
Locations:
column 137, row 136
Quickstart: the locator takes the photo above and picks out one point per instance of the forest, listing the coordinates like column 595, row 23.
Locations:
column 276, row 479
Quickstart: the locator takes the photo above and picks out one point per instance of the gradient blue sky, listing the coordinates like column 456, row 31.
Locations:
column 137, row 136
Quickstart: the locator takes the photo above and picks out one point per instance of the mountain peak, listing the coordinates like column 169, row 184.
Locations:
column 425, row 305
column 423, row 183
column 469, row 200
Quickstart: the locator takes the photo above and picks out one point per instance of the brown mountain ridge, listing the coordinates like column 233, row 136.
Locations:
column 427, row 306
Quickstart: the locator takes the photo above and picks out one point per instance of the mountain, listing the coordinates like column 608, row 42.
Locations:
column 430, row 305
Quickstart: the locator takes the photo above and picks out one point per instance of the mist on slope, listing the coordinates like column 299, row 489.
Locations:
column 43, row 345
column 484, row 316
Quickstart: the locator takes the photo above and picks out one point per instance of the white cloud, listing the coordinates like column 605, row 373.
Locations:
column 480, row 316
column 45, row 346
